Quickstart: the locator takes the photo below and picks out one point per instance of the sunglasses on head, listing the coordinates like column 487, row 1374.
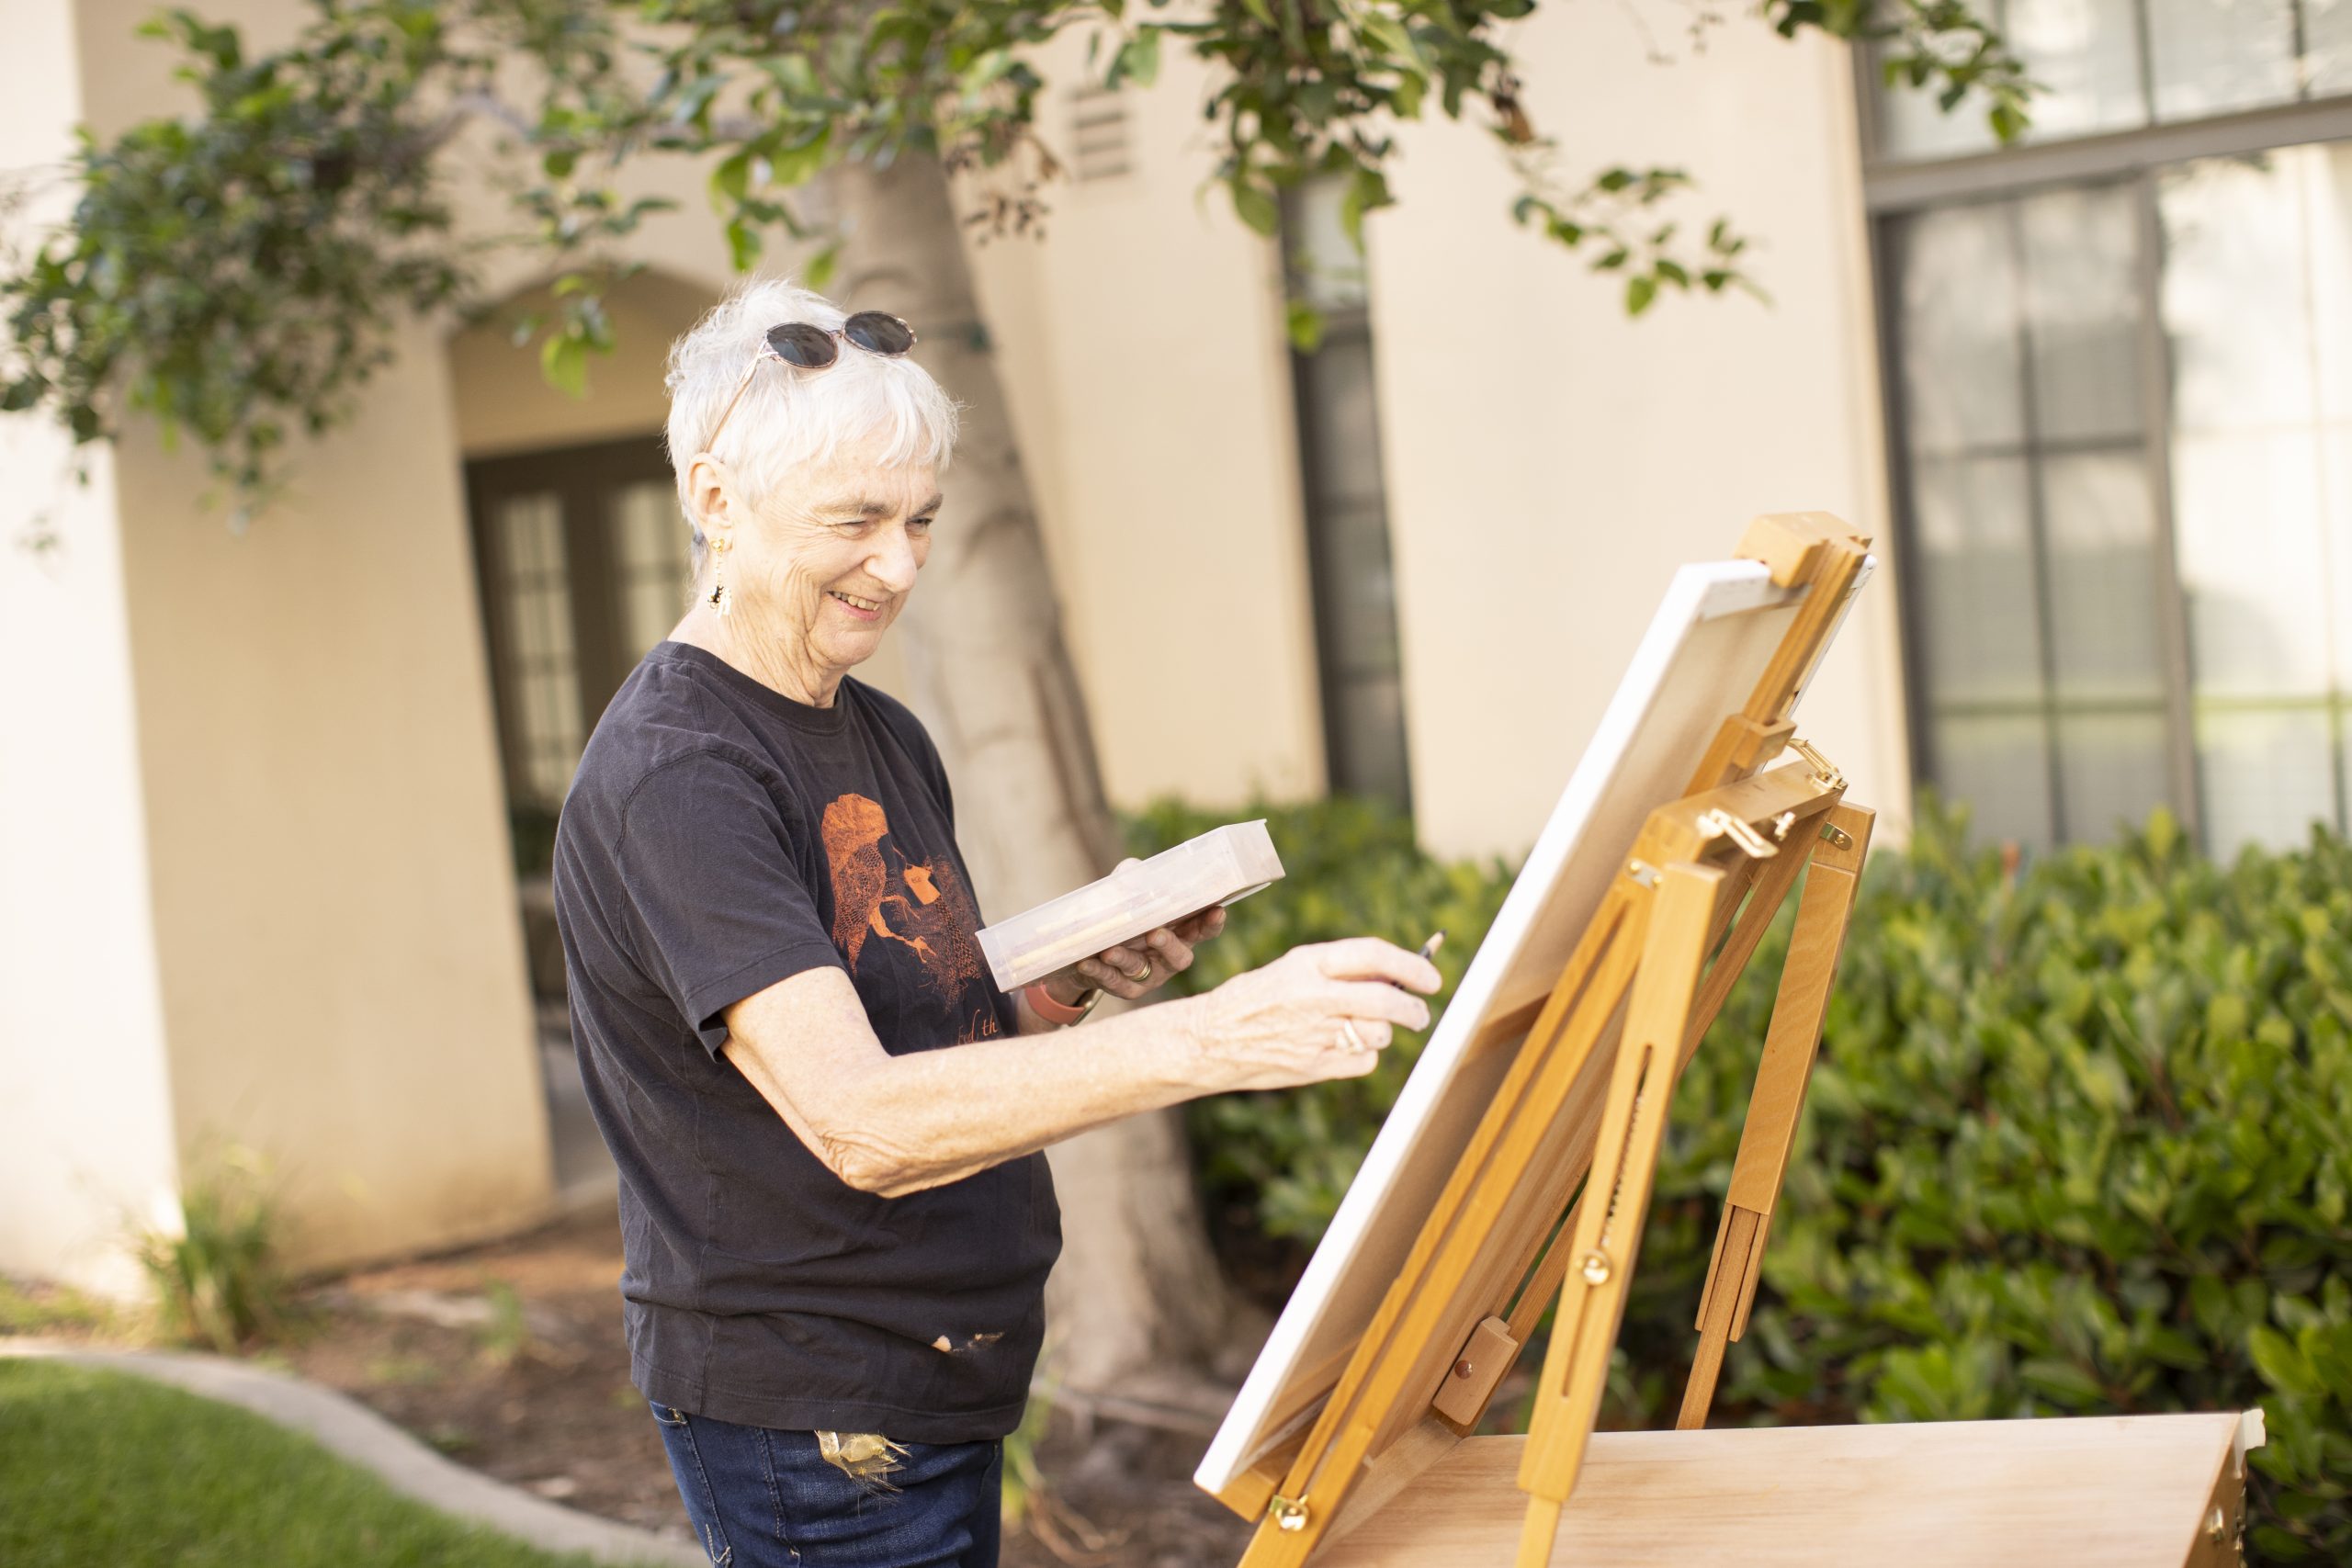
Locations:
column 804, row 345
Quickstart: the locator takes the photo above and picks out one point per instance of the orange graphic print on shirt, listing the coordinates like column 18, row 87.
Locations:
column 880, row 895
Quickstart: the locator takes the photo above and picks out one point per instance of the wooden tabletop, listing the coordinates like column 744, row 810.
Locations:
column 2101, row 1492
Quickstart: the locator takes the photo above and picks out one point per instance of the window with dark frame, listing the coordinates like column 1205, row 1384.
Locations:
column 583, row 563
column 1353, row 576
column 2119, row 374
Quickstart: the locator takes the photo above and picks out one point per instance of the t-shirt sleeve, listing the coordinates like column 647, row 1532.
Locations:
column 714, row 889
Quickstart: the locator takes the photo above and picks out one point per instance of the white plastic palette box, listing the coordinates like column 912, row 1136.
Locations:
column 1220, row 866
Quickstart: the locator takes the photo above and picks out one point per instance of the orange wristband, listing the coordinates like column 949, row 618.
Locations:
column 1042, row 1003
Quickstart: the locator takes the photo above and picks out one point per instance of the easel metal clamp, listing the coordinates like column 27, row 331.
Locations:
column 1825, row 772
column 1721, row 824
column 1692, row 829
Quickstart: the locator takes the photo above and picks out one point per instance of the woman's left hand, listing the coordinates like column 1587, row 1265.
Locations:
column 1138, row 968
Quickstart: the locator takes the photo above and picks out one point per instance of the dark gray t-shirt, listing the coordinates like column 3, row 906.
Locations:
column 718, row 838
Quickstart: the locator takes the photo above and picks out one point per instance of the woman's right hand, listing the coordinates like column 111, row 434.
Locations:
column 1319, row 1011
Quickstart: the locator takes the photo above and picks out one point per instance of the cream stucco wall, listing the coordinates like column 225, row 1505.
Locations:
column 87, row 1137
column 1551, row 461
column 334, row 906
column 292, row 766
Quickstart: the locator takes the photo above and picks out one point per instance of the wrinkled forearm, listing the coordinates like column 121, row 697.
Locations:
column 908, row 1122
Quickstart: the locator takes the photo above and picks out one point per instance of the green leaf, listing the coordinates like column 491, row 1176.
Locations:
column 730, row 180
column 1255, row 207
column 2065, row 1383
column 2281, row 1365
column 1404, row 95
column 1138, row 58
column 1390, row 34
column 563, row 361
column 818, row 271
column 793, row 165
column 795, row 75
column 1303, row 324
column 743, row 245
column 1367, row 190
column 1640, row 291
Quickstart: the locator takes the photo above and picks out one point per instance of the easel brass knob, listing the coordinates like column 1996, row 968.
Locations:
column 1596, row 1268
column 1289, row 1514
column 2217, row 1524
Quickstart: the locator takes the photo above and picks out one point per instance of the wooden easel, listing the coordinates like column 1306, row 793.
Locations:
column 1482, row 1250
column 1550, row 1194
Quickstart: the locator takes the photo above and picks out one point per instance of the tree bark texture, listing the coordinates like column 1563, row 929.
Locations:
column 991, row 678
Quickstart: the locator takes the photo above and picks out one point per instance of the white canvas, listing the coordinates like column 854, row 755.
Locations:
column 1702, row 657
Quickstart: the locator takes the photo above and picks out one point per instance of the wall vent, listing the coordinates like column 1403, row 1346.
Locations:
column 1100, row 146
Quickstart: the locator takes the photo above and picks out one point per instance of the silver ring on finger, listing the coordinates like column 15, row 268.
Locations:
column 1348, row 1036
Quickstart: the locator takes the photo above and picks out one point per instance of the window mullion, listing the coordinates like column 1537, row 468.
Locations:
column 2037, row 531
column 2172, row 602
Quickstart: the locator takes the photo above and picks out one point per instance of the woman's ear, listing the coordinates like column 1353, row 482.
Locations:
column 710, row 500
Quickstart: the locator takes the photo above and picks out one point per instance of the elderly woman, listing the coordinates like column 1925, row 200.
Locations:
column 827, row 1118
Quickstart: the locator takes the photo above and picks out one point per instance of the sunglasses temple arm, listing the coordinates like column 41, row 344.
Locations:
column 740, row 388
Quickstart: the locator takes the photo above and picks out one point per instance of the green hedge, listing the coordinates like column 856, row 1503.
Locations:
column 2080, row 1139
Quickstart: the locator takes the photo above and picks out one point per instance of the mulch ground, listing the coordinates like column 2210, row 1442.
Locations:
column 510, row 1358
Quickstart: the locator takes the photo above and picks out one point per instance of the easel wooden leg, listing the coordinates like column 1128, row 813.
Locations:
column 1778, row 1102
column 1735, row 1240
column 1765, row 885
column 1609, row 1221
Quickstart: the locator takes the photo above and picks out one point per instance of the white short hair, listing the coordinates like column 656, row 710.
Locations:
column 787, row 417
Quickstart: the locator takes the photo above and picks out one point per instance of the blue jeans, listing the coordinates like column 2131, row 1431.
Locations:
column 761, row 1498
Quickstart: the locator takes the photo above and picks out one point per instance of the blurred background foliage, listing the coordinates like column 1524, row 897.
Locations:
column 2077, row 1142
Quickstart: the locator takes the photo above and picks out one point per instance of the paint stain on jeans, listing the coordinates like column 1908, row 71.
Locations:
column 865, row 1457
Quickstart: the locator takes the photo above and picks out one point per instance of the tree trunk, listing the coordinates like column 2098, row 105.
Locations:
column 992, row 679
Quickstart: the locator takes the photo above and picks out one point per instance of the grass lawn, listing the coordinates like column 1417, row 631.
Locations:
column 102, row 1468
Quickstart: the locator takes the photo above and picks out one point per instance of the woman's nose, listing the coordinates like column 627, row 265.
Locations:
column 893, row 562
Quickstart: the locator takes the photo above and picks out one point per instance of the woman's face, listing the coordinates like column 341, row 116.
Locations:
column 824, row 564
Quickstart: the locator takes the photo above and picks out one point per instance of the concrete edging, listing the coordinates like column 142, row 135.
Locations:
column 353, row 1432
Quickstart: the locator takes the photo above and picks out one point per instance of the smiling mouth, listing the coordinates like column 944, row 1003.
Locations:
column 867, row 606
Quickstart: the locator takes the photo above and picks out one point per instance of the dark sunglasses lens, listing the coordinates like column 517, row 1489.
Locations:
column 878, row 332
column 798, row 343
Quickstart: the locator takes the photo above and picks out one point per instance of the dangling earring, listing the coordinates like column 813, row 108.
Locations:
column 718, row 598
